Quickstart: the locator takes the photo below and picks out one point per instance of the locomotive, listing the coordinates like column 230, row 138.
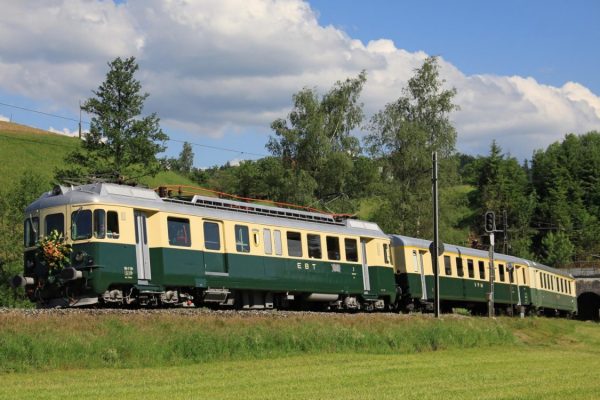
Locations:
column 130, row 246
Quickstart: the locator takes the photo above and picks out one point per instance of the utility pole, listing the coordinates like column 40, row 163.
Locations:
column 490, row 228
column 435, row 248
column 505, row 231
column 79, row 119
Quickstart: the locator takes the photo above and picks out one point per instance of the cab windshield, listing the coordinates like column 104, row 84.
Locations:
column 31, row 231
column 81, row 225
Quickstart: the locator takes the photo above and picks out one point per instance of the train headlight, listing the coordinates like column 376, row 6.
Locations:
column 79, row 256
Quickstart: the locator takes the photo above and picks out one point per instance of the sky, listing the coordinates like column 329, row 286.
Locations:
column 220, row 71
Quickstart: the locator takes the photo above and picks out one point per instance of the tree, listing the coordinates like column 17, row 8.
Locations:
column 316, row 136
column 269, row 179
column 503, row 185
column 565, row 176
column 185, row 162
column 403, row 136
column 13, row 201
column 558, row 249
column 186, row 158
column 120, row 142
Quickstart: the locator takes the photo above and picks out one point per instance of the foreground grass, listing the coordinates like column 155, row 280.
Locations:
column 194, row 354
column 75, row 340
column 492, row 373
column 78, row 340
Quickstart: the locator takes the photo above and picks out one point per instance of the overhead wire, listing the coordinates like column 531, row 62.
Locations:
column 243, row 152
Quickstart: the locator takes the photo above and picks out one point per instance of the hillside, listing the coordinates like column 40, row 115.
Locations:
column 23, row 148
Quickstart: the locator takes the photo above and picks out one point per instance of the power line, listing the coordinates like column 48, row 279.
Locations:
column 220, row 148
column 170, row 140
column 42, row 112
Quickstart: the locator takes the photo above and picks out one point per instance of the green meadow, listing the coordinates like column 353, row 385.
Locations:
column 197, row 354
column 23, row 148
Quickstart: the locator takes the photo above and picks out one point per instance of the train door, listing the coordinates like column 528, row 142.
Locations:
column 534, row 284
column 422, row 271
column 419, row 267
column 515, row 275
column 142, row 252
column 365, row 266
column 215, row 259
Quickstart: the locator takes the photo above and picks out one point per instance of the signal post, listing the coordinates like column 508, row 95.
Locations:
column 490, row 228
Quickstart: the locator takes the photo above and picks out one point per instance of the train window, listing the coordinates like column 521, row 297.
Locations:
column 212, row 236
column 267, row 240
column 511, row 274
column 333, row 247
column 277, row 239
column 448, row 265
column 415, row 261
column 502, row 272
column 386, row 257
column 112, row 225
column 470, row 269
column 481, row 265
column 32, row 228
column 255, row 237
column 351, row 249
column 81, row 224
column 314, row 246
column 459, row 267
column 179, row 231
column 524, row 277
column 294, row 244
column 242, row 239
column 55, row 222
column 99, row 224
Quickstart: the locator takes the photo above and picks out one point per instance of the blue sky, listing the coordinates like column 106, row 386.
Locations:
column 220, row 71
column 552, row 41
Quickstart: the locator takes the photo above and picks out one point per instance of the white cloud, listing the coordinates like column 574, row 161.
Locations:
column 235, row 162
column 231, row 66
column 3, row 118
column 64, row 131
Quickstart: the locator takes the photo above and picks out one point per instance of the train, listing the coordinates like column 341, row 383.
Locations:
column 138, row 247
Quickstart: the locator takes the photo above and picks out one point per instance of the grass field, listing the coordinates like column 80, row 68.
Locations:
column 193, row 354
column 23, row 148
column 490, row 373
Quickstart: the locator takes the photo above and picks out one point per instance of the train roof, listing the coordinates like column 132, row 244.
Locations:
column 210, row 207
column 400, row 240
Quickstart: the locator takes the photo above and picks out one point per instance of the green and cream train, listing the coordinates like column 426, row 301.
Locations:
column 130, row 246
column 464, row 280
